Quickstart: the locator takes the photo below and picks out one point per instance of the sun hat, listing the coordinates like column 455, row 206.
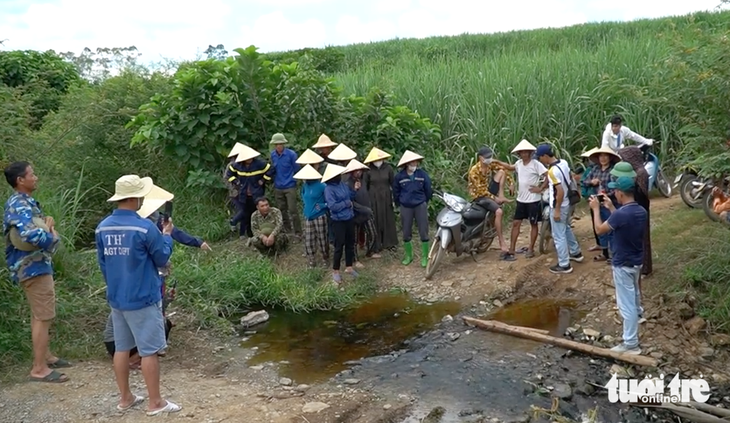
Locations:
column 543, row 149
column 309, row 157
column 589, row 152
column 18, row 242
column 375, row 155
column 354, row 165
column 131, row 186
column 342, row 153
column 524, row 145
column 154, row 200
column 604, row 150
column 308, row 173
column 332, row 171
column 278, row 138
column 236, row 149
column 408, row 157
column 324, row 141
column 246, row 153
column 623, row 184
column 623, row 169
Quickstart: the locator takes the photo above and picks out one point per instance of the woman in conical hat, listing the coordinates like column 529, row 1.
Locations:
column 311, row 158
column 339, row 201
column 315, row 215
column 379, row 183
column 412, row 192
column 364, row 222
column 597, row 182
column 324, row 146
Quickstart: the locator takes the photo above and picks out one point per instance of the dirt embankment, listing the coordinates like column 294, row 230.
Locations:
column 455, row 372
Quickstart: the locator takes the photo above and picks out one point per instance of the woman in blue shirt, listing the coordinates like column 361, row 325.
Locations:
column 339, row 202
column 315, row 215
column 412, row 192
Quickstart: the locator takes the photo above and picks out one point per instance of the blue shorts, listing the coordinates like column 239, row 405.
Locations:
column 143, row 328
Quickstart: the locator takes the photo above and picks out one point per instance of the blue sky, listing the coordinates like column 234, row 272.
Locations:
column 182, row 29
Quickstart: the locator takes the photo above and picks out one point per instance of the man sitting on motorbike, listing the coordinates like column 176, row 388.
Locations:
column 615, row 134
column 721, row 205
column 486, row 180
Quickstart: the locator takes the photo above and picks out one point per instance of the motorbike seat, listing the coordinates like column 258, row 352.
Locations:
column 482, row 202
column 475, row 213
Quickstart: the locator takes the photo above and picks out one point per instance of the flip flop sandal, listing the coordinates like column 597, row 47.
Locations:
column 53, row 377
column 354, row 274
column 169, row 408
column 508, row 257
column 137, row 401
column 522, row 250
column 60, row 364
column 337, row 278
column 595, row 248
column 529, row 254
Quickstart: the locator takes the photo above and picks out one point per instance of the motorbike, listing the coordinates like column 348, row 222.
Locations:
column 656, row 177
column 690, row 186
column 705, row 192
column 462, row 228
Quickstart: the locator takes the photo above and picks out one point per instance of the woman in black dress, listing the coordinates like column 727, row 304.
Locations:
column 379, row 183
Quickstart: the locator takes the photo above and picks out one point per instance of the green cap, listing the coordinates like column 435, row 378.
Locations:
column 623, row 169
column 623, row 183
column 278, row 139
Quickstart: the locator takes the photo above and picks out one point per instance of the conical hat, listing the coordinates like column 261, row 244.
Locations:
column 524, row 145
column 604, row 150
column 309, row 157
column 308, row 173
column 589, row 152
column 353, row 166
column 246, row 153
column 236, row 149
column 342, row 153
column 408, row 157
column 375, row 155
column 332, row 171
column 324, row 141
column 154, row 200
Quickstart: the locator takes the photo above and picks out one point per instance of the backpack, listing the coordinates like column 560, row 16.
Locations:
column 573, row 193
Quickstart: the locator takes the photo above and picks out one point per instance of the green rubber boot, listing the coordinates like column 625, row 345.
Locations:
column 424, row 253
column 408, row 247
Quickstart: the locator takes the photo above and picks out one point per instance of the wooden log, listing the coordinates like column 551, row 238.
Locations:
column 542, row 331
column 687, row 413
column 707, row 408
column 640, row 360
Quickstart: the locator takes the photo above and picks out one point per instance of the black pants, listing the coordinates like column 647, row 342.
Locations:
column 243, row 216
column 110, row 348
column 344, row 232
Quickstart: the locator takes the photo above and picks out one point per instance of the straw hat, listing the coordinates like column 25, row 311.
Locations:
column 332, row 171
column 589, row 152
column 236, row 149
column 408, row 157
column 278, row 138
column 323, row 142
column 154, row 200
column 309, row 157
column 604, row 150
column 308, row 173
column 18, row 242
column 353, row 166
column 375, row 155
column 342, row 153
column 131, row 186
column 524, row 145
column 246, row 153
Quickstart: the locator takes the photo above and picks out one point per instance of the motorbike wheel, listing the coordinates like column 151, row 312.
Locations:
column 685, row 191
column 435, row 255
column 546, row 236
column 707, row 200
column 489, row 233
column 663, row 185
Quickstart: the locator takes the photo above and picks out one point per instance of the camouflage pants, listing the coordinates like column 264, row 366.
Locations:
column 280, row 244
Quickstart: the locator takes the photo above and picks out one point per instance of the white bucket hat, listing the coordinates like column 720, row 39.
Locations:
column 524, row 145
column 408, row 157
column 309, row 157
column 324, row 141
column 154, row 200
column 308, row 173
column 353, row 166
column 342, row 153
column 332, row 171
column 375, row 155
column 246, row 153
column 131, row 186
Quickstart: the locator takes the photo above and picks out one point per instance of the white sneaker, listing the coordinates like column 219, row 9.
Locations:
column 624, row 349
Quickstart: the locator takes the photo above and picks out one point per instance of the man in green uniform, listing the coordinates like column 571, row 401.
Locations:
column 267, row 224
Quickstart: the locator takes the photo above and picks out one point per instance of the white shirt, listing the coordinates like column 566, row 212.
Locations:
column 625, row 133
column 556, row 177
column 528, row 176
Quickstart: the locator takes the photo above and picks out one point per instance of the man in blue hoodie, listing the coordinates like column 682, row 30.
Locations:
column 130, row 249
column 284, row 161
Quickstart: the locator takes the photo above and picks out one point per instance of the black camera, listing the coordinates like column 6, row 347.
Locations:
column 167, row 214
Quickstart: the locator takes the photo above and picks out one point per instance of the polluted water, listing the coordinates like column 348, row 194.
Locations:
column 552, row 315
column 313, row 347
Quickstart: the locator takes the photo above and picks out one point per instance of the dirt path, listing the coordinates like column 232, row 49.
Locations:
column 454, row 366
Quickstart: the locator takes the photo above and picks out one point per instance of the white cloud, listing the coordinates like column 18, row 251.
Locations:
column 275, row 32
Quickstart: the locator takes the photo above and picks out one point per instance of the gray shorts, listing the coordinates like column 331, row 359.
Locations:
column 143, row 328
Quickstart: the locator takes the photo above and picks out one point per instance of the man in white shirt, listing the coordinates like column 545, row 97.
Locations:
column 529, row 197
column 558, row 178
column 615, row 134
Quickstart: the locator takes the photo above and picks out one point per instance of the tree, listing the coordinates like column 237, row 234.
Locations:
column 217, row 53
column 103, row 63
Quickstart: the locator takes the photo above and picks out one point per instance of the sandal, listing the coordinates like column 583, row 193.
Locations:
column 170, row 407
column 600, row 257
column 53, row 377
column 595, row 248
column 59, row 364
column 137, row 401
column 508, row 257
column 529, row 254
column 522, row 250
column 337, row 278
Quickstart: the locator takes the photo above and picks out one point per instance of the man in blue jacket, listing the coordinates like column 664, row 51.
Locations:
column 249, row 173
column 285, row 165
column 130, row 249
